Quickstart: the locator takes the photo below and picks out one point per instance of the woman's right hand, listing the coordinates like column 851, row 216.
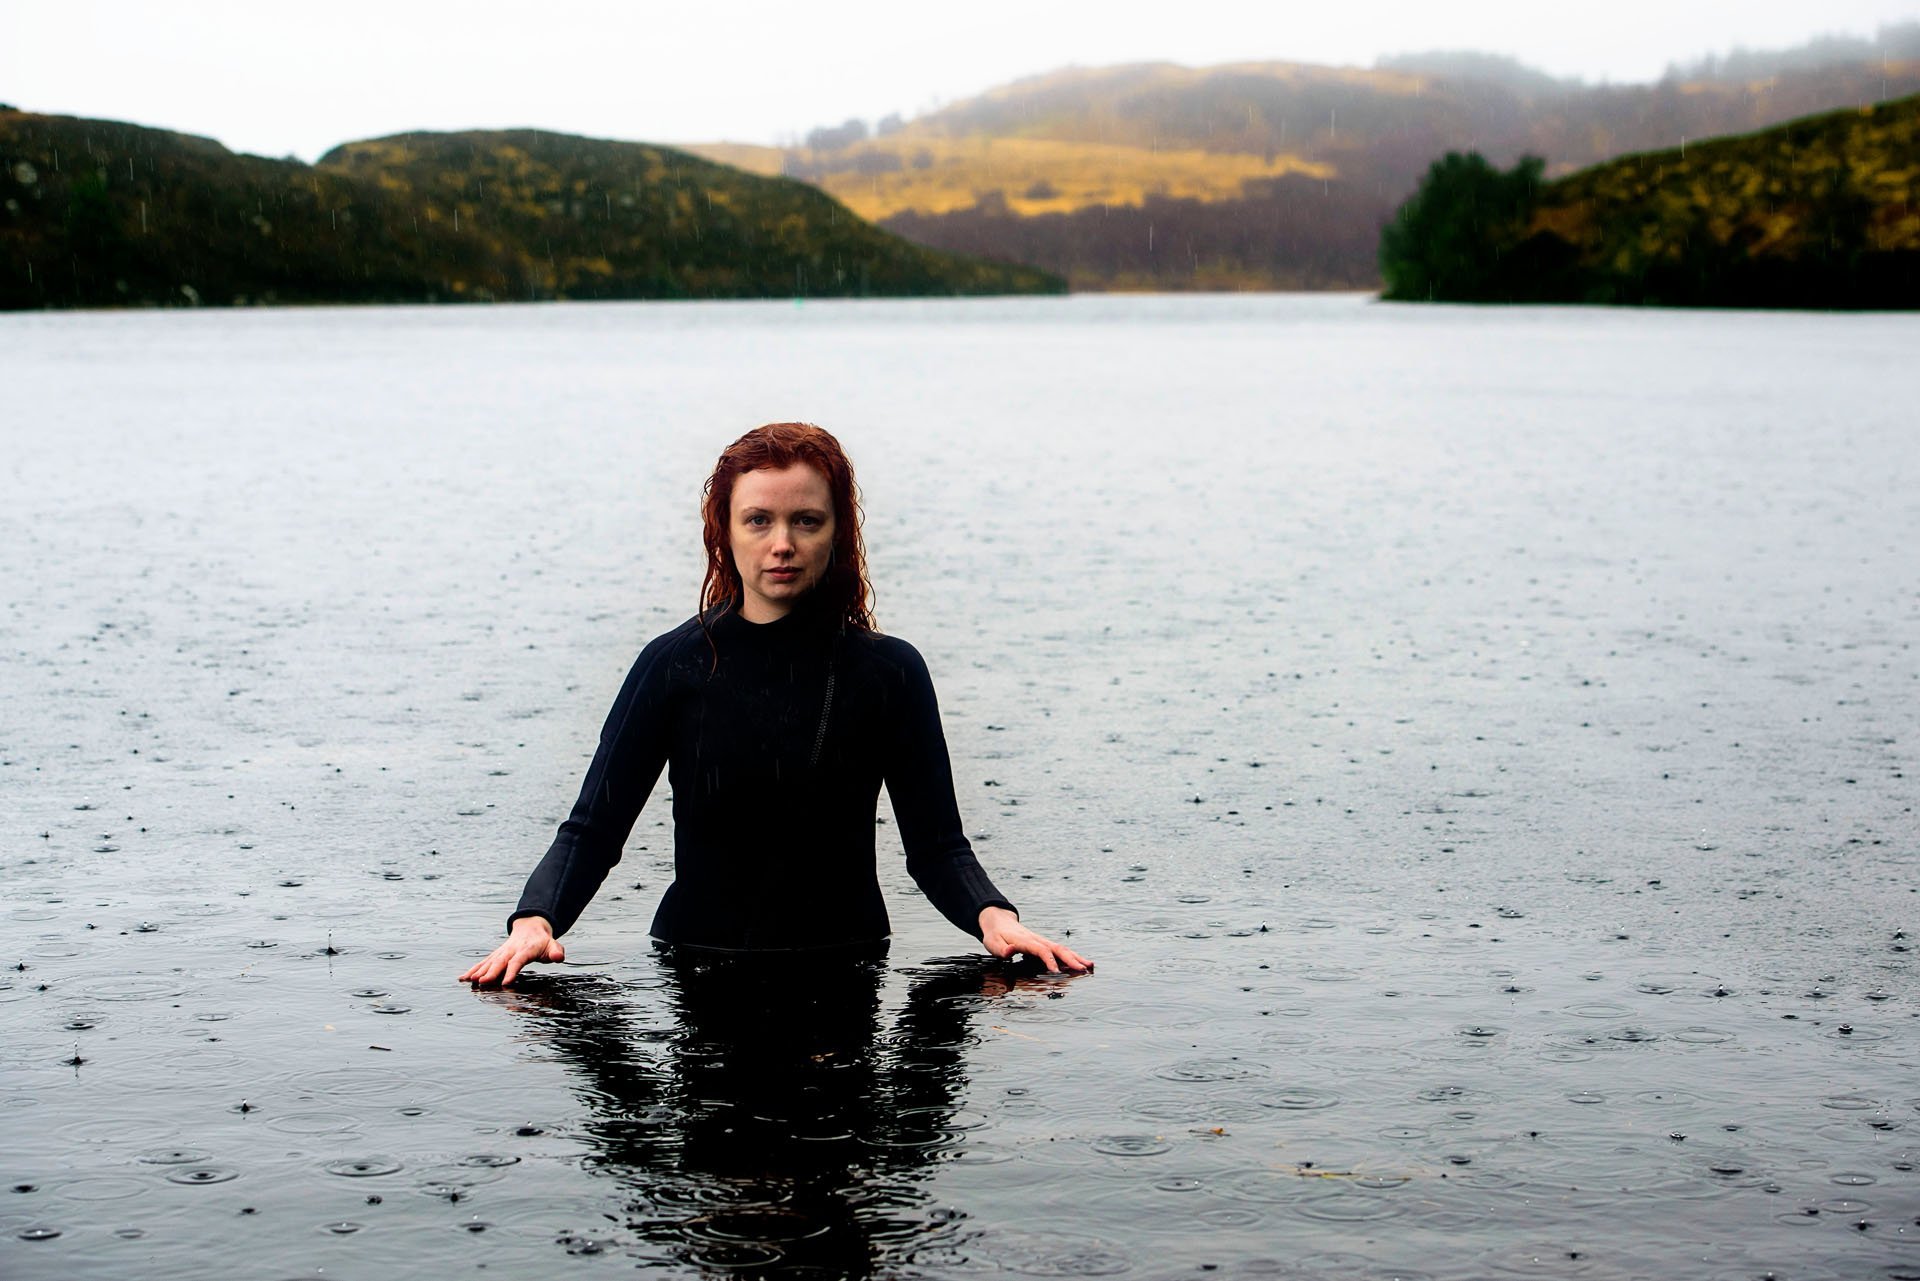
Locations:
column 531, row 939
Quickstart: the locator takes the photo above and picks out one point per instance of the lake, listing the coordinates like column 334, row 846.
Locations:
column 1476, row 745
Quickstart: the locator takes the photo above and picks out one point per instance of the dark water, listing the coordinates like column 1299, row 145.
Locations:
column 1476, row 746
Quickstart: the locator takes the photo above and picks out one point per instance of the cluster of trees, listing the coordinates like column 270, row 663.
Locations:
column 1817, row 213
column 1285, row 233
column 1375, row 134
column 841, row 136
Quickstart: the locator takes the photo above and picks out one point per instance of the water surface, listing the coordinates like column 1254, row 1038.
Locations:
column 1477, row 746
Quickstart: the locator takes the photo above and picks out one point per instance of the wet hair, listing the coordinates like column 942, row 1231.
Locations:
column 776, row 446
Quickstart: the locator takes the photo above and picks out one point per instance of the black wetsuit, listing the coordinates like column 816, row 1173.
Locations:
column 773, row 808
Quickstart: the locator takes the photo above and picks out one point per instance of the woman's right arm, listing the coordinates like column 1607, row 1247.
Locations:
column 632, row 752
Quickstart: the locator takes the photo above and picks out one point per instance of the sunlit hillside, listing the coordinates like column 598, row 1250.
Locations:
column 1820, row 212
column 1267, row 174
column 932, row 174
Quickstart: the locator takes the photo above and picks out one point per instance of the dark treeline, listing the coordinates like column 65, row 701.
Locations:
column 1286, row 233
column 1819, row 213
column 1378, row 129
column 99, row 213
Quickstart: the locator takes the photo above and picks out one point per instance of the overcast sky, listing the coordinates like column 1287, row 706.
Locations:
column 296, row 78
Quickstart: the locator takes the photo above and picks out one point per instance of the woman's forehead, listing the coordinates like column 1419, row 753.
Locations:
column 797, row 485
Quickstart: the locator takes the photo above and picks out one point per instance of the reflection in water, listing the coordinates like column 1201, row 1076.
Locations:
column 776, row 1129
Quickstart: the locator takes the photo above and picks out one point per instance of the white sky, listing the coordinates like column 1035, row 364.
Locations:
column 279, row 77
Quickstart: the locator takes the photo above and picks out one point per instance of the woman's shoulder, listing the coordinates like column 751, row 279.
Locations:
column 672, row 646
column 889, row 653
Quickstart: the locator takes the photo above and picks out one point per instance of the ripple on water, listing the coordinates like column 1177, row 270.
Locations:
column 1218, row 1069
column 712, row 1192
column 729, row 1256
column 1346, row 1205
column 1702, row 1036
column 1193, row 1110
column 131, row 1131
column 1294, row 1098
column 759, row 1225
column 1454, row 1094
column 104, row 1188
column 1540, row 1259
column 128, row 987
column 1230, row 1216
column 976, row 1154
column 1598, row 1010
column 195, row 1175
column 363, row 1167
column 1046, row 1254
column 1667, row 982
column 353, row 1081
column 1272, row 1186
column 1131, row 1145
column 314, row 1123
column 1854, row 1103
column 454, row 1182
column 175, row 1156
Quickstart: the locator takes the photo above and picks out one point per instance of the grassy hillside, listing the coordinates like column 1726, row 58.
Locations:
column 99, row 213
column 1255, row 175
column 1821, row 212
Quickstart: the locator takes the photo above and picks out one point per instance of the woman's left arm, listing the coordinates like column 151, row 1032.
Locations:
column 940, row 859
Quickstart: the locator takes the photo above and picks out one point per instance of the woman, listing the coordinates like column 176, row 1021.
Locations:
column 778, row 712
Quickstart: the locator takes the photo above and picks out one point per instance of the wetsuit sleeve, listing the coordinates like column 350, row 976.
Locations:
column 920, row 783
column 632, row 751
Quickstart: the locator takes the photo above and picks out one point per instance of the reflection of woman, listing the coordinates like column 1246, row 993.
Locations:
column 775, row 1123
column 778, row 712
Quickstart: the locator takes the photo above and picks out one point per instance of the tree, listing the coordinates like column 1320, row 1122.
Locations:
column 1446, row 243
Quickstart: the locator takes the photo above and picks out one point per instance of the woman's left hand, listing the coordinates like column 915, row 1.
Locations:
column 1004, row 936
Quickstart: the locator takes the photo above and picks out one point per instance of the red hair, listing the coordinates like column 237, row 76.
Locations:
column 777, row 446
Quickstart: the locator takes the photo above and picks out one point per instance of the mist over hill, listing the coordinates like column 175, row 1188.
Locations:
column 1274, row 174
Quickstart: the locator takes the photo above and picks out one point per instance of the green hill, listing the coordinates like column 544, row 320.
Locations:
column 100, row 213
column 1275, row 175
column 1820, row 212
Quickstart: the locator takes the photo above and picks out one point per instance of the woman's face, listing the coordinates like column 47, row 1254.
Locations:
column 781, row 533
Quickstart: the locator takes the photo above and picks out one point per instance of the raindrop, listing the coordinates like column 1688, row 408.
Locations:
column 1131, row 1145
column 203, row 1174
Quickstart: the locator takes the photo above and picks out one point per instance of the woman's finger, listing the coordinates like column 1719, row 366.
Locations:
column 1058, row 957
column 486, row 971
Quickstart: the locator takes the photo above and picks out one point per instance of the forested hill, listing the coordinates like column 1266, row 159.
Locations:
column 100, row 213
column 1272, row 174
column 1822, row 212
